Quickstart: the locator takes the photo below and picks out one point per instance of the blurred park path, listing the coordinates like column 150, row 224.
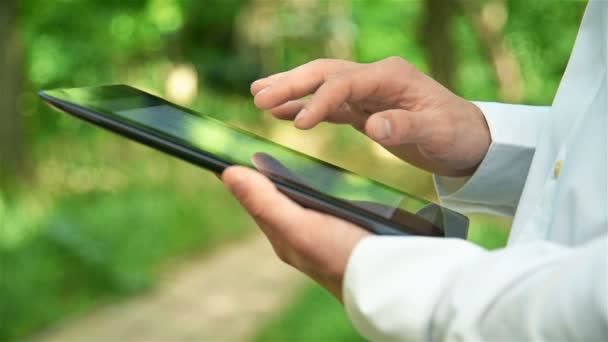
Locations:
column 226, row 296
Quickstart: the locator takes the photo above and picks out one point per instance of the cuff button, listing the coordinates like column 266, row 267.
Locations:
column 557, row 169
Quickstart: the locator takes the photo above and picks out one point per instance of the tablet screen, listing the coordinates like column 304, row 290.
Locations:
column 229, row 144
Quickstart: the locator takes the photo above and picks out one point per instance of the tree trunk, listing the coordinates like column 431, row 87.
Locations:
column 488, row 20
column 438, row 43
column 11, row 83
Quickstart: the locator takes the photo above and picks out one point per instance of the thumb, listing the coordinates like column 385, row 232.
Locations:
column 398, row 126
column 259, row 196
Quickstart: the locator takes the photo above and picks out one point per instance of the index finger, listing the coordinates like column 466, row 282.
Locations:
column 352, row 85
column 296, row 83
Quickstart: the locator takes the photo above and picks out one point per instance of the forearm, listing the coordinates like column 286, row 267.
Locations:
column 440, row 289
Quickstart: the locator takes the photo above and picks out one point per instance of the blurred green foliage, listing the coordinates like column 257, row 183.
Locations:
column 100, row 216
column 105, row 222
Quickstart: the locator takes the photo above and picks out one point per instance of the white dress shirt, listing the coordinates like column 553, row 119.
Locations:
column 547, row 166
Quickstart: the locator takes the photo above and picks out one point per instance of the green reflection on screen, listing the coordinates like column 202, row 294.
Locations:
column 239, row 147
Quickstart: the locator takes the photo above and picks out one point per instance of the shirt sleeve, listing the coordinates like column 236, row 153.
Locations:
column 421, row 288
column 497, row 184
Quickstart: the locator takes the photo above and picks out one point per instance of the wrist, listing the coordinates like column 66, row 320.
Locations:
column 334, row 279
column 481, row 131
column 474, row 139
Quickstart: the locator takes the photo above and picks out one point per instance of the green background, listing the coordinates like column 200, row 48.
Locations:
column 87, row 217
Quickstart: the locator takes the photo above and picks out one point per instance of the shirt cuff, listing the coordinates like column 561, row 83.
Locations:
column 497, row 184
column 393, row 284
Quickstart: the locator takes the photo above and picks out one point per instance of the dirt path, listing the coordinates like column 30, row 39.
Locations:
column 224, row 297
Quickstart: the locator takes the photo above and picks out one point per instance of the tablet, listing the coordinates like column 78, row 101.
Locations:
column 215, row 145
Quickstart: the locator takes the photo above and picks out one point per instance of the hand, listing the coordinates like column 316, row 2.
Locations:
column 315, row 243
column 407, row 112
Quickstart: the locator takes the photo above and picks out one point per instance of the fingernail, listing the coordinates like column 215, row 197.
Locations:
column 383, row 129
column 265, row 90
column 301, row 115
column 237, row 188
column 257, row 81
column 235, row 185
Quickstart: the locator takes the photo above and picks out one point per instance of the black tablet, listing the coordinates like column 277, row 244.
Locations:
column 215, row 145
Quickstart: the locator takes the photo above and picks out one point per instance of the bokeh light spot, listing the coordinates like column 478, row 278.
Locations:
column 44, row 60
column 182, row 84
column 166, row 15
column 122, row 26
